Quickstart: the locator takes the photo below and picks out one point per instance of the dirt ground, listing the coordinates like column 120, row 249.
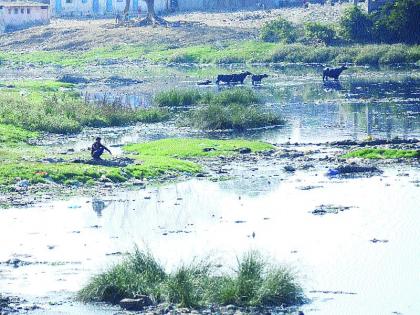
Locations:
column 195, row 28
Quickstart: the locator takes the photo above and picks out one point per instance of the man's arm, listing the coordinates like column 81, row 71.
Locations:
column 105, row 148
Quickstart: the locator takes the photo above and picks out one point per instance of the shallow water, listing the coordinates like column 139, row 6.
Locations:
column 67, row 241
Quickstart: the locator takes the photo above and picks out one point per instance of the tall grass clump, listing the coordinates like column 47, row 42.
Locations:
column 237, row 109
column 233, row 117
column 254, row 282
column 139, row 274
column 177, row 98
column 241, row 96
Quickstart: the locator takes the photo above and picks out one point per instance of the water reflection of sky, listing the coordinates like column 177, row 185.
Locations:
column 198, row 218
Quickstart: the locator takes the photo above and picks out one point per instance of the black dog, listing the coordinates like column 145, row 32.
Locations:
column 256, row 78
column 332, row 73
column 233, row 78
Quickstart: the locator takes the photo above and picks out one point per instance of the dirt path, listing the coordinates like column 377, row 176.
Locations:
column 200, row 28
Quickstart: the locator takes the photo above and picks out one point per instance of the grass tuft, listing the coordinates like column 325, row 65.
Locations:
column 376, row 153
column 177, row 98
column 254, row 283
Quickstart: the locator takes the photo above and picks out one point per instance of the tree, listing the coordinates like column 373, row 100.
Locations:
column 399, row 22
column 356, row 25
column 151, row 18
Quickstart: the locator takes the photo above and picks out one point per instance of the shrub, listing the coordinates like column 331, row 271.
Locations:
column 255, row 282
column 279, row 30
column 177, row 98
column 356, row 25
column 320, row 32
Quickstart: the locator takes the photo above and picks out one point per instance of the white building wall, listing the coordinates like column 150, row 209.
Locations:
column 79, row 8
column 21, row 16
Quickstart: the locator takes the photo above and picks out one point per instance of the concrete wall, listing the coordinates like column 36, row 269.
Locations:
column 20, row 16
column 188, row 5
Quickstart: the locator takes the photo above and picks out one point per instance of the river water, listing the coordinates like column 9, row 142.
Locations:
column 62, row 243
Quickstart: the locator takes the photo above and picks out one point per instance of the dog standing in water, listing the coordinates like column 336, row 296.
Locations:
column 332, row 73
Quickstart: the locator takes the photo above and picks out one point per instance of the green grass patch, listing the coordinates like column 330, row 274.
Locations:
column 13, row 135
column 238, row 52
column 247, row 51
column 254, row 282
column 61, row 173
column 154, row 159
column 188, row 147
column 376, row 153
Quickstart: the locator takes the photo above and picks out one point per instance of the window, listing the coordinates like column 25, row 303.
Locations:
column 28, row 11
column 10, row 11
column 84, row 1
column 16, row 10
column 69, row 1
column 22, row 11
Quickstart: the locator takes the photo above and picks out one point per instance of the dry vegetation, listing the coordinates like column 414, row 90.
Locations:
column 195, row 28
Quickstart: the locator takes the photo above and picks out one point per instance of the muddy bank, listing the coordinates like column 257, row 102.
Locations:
column 327, row 159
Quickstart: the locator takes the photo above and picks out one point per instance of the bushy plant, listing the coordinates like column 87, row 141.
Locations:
column 279, row 30
column 315, row 31
column 356, row 25
column 398, row 21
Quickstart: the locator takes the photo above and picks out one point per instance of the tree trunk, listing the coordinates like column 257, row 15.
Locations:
column 152, row 18
column 127, row 7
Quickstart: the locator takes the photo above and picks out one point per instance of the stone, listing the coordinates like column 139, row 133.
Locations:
column 289, row 168
column 137, row 304
column 244, row 150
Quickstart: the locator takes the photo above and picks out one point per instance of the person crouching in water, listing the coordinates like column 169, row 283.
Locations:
column 98, row 149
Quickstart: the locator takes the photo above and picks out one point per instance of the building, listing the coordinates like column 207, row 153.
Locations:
column 19, row 15
column 99, row 8
column 102, row 8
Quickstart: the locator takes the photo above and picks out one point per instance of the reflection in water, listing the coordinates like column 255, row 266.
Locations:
column 99, row 205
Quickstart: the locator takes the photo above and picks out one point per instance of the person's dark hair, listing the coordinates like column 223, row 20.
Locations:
column 98, row 139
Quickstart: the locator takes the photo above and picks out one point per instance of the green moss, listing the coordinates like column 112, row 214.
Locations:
column 187, row 148
column 376, row 153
